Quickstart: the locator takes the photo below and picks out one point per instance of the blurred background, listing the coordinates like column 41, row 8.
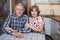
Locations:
column 49, row 9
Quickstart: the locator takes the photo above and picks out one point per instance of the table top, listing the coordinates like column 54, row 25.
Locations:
column 27, row 36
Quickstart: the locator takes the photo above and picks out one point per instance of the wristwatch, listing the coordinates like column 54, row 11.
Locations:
column 9, row 31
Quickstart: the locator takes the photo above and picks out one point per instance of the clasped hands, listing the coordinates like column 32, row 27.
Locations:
column 17, row 34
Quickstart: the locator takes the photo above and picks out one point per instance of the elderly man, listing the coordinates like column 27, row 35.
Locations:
column 15, row 23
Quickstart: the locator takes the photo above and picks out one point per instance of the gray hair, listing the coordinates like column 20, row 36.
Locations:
column 19, row 4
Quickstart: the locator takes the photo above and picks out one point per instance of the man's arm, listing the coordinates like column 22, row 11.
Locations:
column 27, row 23
column 9, row 30
column 6, row 27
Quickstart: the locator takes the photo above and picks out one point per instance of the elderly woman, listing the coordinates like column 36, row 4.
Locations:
column 36, row 22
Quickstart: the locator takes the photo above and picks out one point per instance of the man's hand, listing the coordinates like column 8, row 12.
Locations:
column 20, row 35
column 27, row 26
column 8, row 28
column 17, row 34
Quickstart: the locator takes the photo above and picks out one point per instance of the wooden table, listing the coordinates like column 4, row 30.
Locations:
column 27, row 36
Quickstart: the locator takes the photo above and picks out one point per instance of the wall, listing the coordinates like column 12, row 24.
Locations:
column 56, row 9
column 46, row 8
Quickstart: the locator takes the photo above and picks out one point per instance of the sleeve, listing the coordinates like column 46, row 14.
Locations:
column 27, row 24
column 6, row 24
column 27, row 20
column 41, row 20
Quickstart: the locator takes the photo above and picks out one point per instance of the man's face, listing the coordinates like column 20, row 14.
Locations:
column 19, row 10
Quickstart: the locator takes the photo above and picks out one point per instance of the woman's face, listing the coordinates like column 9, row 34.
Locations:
column 34, row 13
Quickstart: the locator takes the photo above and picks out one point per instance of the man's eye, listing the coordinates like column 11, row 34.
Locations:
column 17, row 9
column 21, row 9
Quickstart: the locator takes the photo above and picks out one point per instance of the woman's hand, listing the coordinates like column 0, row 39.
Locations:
column 38, row 28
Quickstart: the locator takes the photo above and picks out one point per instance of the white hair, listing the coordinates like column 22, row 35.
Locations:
column 19, row 4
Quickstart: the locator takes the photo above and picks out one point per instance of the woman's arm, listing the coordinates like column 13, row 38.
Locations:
column 37, row 29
